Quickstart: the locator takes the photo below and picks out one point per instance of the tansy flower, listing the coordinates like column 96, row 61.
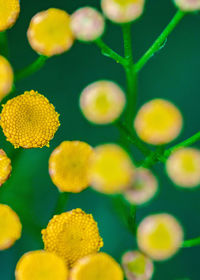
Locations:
column 72, row 235
column 49, row 32
column 160, row 236
column 99, row 266
column 158, row 122
column 10, row 226
column 183, row 167
column 68, row 166
column 29, row 120
column 102, row 102
column 111, row 169
column 5, row 167
column 6, row 76
column 87, row 24
column 188, row 5
column 9, row 12
column 122, row 11
column 41, row 265
column 137, row 266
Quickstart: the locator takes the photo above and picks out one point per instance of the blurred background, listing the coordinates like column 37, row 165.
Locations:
column 173, row 74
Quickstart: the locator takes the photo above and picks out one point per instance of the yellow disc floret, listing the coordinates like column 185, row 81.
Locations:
column 41, row 265
column 49, row 32
column 9, row 12
column 10, row 226
column 29, row 120
column 6, row 77
column 99, row 266
column 188, row 5
column 5, row 167
column 72, row 235
column 69, row 165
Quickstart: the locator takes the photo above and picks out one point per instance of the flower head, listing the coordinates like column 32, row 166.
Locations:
column 9, row 12
column 49, row 32
column 41, row 265
column 72, row 235
column 10, row 226
column 5, row 167
column 69, row 164
column 188, row 5
column 6, row 77
column 29, row 120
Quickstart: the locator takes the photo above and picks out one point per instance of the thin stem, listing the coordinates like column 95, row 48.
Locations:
column 160, row 41
column 61, row 202
column 191, row 243
column 4, row 44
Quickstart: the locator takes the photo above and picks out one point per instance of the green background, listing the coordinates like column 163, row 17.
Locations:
column 173, row 74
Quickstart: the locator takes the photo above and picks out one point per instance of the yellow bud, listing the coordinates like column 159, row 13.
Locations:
column 9, row 12
column 6, row 77
column 188, row 5
column 5, row 167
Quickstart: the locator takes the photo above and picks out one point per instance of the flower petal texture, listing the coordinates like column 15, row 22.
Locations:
column 9, row 12
column 5, row 167
column 188, row 5
column 6, row 77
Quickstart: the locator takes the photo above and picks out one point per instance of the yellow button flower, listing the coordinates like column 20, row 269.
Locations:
column 183, row 167
column 111, row 169
column 69, row 164
column 10, row 226
column 188, row 5
column 49, row 32
column 6, row 77
column 5, row 167
column 122, row 11
column 99, row 266
column 160, row 236
column 158, row 122
column 29, row 120
column 72, row 235
column 41, row 265
column 9, row 12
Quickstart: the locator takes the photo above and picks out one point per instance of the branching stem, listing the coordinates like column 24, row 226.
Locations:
column 61, row 202
column 191, row 243
column 4, row 44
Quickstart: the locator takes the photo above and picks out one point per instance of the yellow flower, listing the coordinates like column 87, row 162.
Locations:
column 5, row 167
column 9, row 12
column 188, row 5
column 10, row 226
column 29, row 120
column 158, row 122
column 111, row 169
column 6, row 77
column 122, row 11
column 183, row 167
column 72, row 235
column 160, row 236
column 49, row 32
column 41, row 265
column 102, row 102
column 68, row 166
column 99, row 266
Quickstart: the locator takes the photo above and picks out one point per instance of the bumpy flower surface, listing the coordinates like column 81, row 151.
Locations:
column 160, row 236
column 6, row 77
column 102, row 102
column 69, row 166
column 29, row 120
column 183, row 167
column 49, row 32
column 158, row 122
column 98, row 266
column 188, row 5
column 9, row 12
column 41, row 265
column 87, row 24
column 10, row 226
column 137, row 266
column 122, row 11
column 111, row 169
column 72, row 235
column 5, row 167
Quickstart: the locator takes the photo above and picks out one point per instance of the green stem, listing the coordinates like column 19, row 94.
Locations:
column 3, row 44
column 61, row 202
column 158, row 44
column 191, row 243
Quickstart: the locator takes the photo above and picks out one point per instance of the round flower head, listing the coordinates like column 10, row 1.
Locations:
column 49, row 32
column 99, row 266
column 10, row 226
column 158, row 122
column 183, row 167
column 87, row 24
column 5, row 167
column 102, row 102
column 160, row 236
column 137, row 266
column 9, row 12
column 6, row 77
column 41, row 265
column 72, row 235
column 29, row 120
column 122, row 11
column 69, row 164
column 188, row 5
column 111, row 169
column 143, row 188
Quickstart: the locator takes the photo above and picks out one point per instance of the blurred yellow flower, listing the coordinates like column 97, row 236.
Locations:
column 9, row 12
column 188, row 5
column 6, row 77
column 5, row 167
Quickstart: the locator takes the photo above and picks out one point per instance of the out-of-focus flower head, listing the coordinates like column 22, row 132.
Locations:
column 9, row 12
column 5, row 167
column 188, row 5
column 6, row 77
